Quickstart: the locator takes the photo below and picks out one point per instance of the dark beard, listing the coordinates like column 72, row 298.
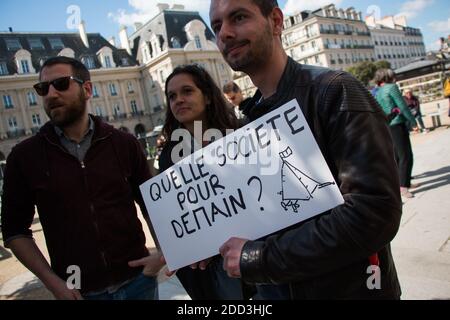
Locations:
column 256, row 57
column 72, row 113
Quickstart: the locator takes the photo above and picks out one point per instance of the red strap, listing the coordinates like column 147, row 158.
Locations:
column 373, row 259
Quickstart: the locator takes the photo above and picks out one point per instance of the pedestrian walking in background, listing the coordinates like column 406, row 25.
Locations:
column 389, row 97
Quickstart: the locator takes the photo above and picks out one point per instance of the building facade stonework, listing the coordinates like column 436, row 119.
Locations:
column 128, row 82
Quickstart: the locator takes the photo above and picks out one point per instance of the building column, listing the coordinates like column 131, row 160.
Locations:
column 23, row 110
column 124, row 91
column 3, row 134
column 104, row 93
column 140, row 96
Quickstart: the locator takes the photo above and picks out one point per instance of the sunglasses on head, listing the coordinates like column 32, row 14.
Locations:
column 60, row 84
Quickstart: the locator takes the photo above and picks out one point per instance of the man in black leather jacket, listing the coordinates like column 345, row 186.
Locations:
column 345, row 252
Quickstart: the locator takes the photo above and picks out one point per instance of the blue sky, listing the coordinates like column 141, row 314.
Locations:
column 106, row 16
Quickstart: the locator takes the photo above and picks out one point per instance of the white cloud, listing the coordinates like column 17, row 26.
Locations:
column 144, row 10
column 411, row 9
column 294, row 6
column 440, row 26
column 434, row 46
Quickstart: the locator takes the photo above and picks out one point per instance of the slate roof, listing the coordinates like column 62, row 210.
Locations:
column 167, row 25
column 70, row 40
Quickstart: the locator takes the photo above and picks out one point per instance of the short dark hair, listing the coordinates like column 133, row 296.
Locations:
column 231, row 87
column 79, row 69
column 384, row 76
column 218, row 114
column 266, row 6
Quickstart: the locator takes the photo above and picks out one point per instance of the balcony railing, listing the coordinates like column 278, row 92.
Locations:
column 35, row 130
column 15, row 133
column 120, row 116
column 135, row 114
column 326, row 31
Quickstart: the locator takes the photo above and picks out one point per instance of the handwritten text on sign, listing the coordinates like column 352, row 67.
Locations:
column 260, row 179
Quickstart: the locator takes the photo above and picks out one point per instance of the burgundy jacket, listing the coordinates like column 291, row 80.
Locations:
column 87, row 210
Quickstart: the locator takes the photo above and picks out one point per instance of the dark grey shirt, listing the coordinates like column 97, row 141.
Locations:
column 78, row 150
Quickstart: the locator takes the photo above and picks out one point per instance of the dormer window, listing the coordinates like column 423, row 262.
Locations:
column 13, row 44
column 107, row 60
column 3, row 69
column 36, row 44
column 196, row 36
column 175, row 43
column 25, row 67
column 125, row 62
column 56, row 43
column 67, row 52
column 198, row 43
column 88, row 62
column 23, row 62
column 105, row 56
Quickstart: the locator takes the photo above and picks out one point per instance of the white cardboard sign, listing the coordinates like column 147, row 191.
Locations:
column 262, row 178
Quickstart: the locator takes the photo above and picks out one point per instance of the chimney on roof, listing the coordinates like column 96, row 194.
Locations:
column 177, row 7
column 124, row 42
column 10, row 29
column 137, row 26
column 83, row 35
column 112, row 41
column 162, row 6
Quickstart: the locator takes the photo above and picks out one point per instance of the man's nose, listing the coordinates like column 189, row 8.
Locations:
column 225, row 32
column 52, row 92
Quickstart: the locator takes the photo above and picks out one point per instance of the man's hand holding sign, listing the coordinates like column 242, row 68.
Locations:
column 260, row 179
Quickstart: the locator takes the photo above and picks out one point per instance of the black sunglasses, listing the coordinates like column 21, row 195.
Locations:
column 60, row 84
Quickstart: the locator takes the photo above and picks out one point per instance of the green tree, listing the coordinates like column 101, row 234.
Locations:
column 363, row 71
column 383, row 64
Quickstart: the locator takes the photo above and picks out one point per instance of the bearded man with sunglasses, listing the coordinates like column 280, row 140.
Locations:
column 83, row 177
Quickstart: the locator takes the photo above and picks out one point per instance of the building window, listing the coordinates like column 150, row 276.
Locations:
column 31, row 98
column 107, row 61
column 13, row 44
column 161, row 75
column 25, row 66
column 3, row 69
column 7, row 102
column 89, row 62
column 125, row 62
column 130, row 87
column 99, row 111
column 198, row 43
column 36, row 119
column 156, row 103
column 12, row 123
column 112, row 89
column 56, row 43
column 134, row 109
column 175, row 43
column 36, row 44
column 145, row 54
column 95, row 92
column 116, row 110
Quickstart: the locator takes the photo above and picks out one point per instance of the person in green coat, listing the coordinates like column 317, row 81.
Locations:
column 389, row 97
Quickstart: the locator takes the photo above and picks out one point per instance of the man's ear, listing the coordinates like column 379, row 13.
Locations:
column 87, row 87
column 278, row 20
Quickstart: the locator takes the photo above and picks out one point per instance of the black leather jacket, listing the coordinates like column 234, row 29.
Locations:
column 327, row 257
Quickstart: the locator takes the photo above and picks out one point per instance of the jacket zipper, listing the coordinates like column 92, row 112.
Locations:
column 83, row 167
